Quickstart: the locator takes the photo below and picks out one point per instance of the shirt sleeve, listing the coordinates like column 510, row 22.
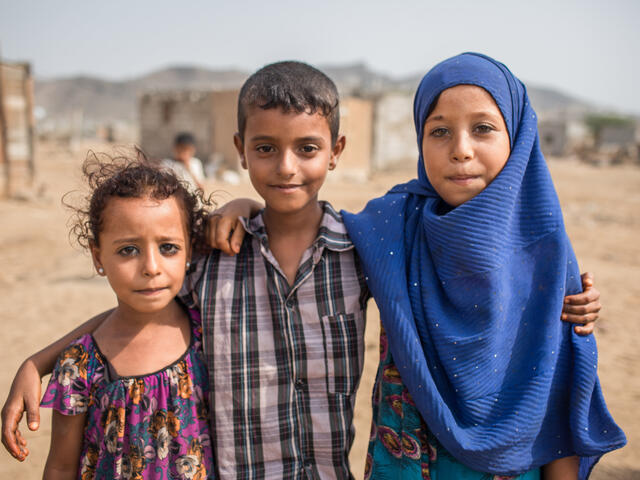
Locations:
column 189, row 292
column 69, row 388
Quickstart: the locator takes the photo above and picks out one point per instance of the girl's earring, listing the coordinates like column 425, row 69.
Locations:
column 100, row 270
column 188, row 265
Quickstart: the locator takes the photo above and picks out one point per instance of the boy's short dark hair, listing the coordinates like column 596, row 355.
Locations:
column 290, row 86
column 184, row 138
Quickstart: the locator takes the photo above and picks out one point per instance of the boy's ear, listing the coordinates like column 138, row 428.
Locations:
column 336, row 151
column 95, row 256
column 237, row 141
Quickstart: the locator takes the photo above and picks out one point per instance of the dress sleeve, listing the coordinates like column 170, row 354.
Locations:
column 69, row 387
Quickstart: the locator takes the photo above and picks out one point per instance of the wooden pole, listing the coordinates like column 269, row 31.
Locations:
column 28, row 94
column 4, row 153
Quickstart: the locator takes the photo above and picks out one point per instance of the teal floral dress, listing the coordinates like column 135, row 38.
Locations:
column 401, row 445
column 153, row 426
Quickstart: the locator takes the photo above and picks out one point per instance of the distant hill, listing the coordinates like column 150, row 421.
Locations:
column 100, row 101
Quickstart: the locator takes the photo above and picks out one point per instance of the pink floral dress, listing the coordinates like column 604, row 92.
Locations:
column 143, row 427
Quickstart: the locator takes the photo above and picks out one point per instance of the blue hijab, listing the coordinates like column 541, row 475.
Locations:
column 471, row 297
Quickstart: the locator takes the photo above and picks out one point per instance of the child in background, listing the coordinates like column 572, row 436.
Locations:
column 130, row 399
column 469, row 265
column 184, row 164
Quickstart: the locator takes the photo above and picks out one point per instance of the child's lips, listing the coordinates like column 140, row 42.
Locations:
column 463, row 180
column 288, row 188
column 151, row 291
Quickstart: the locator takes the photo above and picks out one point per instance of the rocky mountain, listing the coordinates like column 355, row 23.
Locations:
column 102, row 101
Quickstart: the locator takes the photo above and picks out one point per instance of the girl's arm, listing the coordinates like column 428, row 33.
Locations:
column 25, row 389
column 66, row 445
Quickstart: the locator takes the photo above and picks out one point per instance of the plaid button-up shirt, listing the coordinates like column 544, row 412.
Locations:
column 284, row 361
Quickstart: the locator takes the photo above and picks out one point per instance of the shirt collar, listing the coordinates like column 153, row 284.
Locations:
column 332, row 233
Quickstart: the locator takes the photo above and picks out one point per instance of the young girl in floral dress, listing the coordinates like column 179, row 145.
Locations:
column 130, row 400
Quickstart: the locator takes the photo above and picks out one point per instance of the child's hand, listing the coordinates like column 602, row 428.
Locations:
column 24, row 394
column 583, row 307
column 225, row 232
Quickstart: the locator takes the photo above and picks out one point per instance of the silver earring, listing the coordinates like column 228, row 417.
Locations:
column 188, row 265
column 101, row 270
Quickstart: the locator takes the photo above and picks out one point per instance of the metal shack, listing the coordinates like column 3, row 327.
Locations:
column 16, row 127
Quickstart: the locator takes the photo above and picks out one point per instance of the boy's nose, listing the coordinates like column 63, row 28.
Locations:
column 462, row 149
column 287, row 164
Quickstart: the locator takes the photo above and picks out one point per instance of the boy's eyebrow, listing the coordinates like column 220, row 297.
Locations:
column 267, row 138
column 310, row 139
column 262, row 138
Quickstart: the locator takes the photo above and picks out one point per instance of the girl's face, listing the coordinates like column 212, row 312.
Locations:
column 465, row 143
column 144, row 248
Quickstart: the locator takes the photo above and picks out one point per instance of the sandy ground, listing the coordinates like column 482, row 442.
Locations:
column 47, row 286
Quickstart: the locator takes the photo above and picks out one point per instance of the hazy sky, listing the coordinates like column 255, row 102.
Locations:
column 587, row 48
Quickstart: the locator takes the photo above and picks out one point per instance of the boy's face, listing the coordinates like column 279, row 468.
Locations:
column 183, row 152
column 465, row 143
column 288, row 156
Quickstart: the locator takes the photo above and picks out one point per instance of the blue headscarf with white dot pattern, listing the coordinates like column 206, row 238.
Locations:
column 471, row 297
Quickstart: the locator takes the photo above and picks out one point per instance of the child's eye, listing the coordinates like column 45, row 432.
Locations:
column 484, row 128
column 265, row 149
column 439, row 132
column 309, row 149
column 169, row 249
column 128, row 251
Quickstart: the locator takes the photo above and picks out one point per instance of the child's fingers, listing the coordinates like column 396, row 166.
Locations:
column 581, row 319
column 212, row 223
column 11, row 436
column 237, row 236
column 584, row 329
column 22, row 444
column 591, row 294
column 588, row 280
column 224, row 228
column 593, row 307
column 33, row 413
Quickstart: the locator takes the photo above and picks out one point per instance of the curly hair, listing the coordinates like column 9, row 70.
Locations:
column 127, row 177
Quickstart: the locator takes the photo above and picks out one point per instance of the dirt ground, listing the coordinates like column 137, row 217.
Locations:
column 47, row 286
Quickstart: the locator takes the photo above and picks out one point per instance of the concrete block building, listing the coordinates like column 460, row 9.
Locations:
column 16, row 127
column 210, row 116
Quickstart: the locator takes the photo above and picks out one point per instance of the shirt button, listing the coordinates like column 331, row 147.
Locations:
column 290, row 303
column 299, row 384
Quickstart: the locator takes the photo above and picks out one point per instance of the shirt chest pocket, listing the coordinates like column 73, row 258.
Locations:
column 343, row 336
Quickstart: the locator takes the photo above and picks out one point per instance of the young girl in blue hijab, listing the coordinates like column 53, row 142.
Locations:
column 469, row 264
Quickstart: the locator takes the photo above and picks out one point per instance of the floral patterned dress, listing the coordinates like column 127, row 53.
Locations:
column 401, row 445
column 153, row 426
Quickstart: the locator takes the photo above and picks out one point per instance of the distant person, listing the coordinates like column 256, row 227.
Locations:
column 184, row 163
column 130, row 399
